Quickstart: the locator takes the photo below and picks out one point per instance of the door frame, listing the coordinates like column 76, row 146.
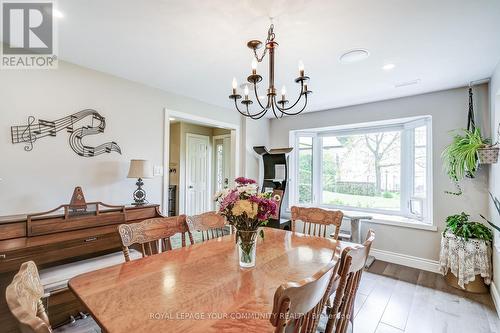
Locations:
column 214, row 157
column 236, row 166
column 208, row 170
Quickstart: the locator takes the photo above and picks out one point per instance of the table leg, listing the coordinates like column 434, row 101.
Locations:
column 355, row 230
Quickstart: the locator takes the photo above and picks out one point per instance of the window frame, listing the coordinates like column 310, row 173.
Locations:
column 407, row 172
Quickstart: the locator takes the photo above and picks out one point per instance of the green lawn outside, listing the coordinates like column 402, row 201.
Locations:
column 361, row 201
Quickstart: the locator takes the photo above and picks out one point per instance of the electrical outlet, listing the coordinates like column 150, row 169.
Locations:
column 158, row 170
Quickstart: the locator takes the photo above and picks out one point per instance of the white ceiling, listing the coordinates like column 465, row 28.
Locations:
column 195, row 47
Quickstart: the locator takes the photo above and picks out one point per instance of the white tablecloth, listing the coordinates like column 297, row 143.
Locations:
column 465, row 259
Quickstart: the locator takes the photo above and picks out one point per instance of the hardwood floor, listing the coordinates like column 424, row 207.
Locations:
column 397, row 299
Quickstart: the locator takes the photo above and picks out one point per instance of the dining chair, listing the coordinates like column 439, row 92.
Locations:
column 298, row 306
column 149, row 233
column 211, row 225
column 316, row 220
column 352, row 263
column 24, row 299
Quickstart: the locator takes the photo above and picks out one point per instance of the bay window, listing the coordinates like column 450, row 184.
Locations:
column 380, row 167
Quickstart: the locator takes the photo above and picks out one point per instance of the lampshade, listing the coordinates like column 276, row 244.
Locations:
column 140, row 169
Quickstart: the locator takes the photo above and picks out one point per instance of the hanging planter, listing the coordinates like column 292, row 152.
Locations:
column 488, row 155
column 468, row 150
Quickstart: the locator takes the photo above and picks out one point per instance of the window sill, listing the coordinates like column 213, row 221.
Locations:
column 398, row 221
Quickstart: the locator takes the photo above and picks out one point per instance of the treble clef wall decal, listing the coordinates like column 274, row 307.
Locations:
column 31, row 132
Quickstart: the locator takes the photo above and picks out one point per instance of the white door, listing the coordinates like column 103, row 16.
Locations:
column 222, row 151
column 198, row 174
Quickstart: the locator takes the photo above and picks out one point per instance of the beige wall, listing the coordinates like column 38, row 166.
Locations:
column 449, row 111
column 45, row 177
column 494, row 184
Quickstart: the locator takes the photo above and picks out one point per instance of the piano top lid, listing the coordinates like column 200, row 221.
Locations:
column 262, row 150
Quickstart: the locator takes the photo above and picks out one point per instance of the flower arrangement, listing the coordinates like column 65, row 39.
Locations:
column 245, row 208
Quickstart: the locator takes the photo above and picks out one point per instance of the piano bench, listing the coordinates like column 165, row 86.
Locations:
column 60, row 302
column 57, row 277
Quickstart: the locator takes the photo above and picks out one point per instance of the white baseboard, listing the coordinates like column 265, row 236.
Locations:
column 406, row 260
column 495, row 296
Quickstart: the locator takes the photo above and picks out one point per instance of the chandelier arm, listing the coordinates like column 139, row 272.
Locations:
column 257, row 97
column 294, row 104
column 295, row 113
column 274, row 110
column 248, row 114
column 259, row 115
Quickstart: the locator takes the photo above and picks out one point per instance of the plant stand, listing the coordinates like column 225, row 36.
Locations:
column 466, row 265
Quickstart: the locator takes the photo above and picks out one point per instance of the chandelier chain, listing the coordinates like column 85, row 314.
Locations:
column 270, row 38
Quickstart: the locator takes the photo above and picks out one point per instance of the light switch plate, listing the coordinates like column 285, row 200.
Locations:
column 158, row 170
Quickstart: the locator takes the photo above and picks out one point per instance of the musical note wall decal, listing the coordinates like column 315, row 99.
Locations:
column 30, row 133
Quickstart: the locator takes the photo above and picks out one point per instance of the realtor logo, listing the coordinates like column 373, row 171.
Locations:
column 28, row 35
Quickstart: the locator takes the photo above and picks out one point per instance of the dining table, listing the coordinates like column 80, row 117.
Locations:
column 201, row 287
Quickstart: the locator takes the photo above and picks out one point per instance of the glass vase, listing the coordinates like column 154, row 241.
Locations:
column 247, row 245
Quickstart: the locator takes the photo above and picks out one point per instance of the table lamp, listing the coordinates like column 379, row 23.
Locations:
column 140, row 169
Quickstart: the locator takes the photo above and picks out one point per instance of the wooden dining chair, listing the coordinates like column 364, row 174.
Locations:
column 298, row 306
column 211, row 225
column 24, row 299
column 316, row 220
column 352, row 263
column 153, row 236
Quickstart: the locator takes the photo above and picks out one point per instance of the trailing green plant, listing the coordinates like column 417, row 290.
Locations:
column 460, row 158
column 460, row 226
column 496, row 202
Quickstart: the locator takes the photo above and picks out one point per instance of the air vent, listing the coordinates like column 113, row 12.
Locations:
column 354, row 55
column 406, row 83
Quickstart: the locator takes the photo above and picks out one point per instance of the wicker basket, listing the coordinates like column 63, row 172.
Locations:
column 488, row 155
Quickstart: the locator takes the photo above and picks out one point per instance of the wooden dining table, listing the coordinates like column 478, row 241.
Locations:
column 201, row 288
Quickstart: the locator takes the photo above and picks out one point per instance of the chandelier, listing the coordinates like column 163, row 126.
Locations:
column 279, row 106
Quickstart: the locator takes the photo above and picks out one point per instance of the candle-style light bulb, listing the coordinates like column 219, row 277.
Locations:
column 235, row 85
column 283, row 93
column 246, row 91
column 254, row 66
column 301, row 68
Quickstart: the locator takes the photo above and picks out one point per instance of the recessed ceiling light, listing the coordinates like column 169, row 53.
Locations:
column 406, row 83
column 57, row 13
column 171, row 119
column 388, row 67
column 353, row 56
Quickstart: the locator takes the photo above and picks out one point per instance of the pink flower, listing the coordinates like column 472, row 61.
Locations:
column 229, row 200
column 244, row 181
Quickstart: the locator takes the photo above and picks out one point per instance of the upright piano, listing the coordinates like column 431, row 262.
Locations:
column 66, row 234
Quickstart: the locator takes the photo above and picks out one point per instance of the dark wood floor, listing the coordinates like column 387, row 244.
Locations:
column 397, row 299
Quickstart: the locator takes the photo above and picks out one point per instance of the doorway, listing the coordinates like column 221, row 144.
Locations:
column 197, row 173
column 192, row 176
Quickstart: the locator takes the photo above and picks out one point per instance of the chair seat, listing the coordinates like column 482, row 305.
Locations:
column 57, row 277
column 86, row 325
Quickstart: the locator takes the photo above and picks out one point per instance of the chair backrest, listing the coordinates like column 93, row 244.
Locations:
column 316, row 220
column 24, row 298
column 153, row 235
column 352, row 263
column 298, row 305
column 210, row 225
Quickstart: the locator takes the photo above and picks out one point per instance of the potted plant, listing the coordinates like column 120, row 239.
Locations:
column 462, row 157
column 246, row 210
column 460, row 226
column 496, row 202
column 465, row 258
